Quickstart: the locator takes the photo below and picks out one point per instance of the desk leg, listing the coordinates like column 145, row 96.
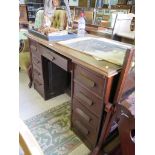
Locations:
column 29, row 71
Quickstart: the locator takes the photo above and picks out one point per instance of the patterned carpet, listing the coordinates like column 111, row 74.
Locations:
column 52, row 130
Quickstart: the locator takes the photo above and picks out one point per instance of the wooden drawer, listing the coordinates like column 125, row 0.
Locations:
column 38, row 79
column 86, row 134
column 38, row 85
column 32, row 42
column 36, row 62
column 33, row 46
column 34, row 49
column 89, row 100
column 55, row 58
column 36, row 55
column 37, row 74
column 39, row 88
column 85, row 116
column 89, row 79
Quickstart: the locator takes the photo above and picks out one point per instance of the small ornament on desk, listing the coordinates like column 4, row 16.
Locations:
column 81, row 25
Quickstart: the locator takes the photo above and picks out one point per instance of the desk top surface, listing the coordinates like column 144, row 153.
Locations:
column 102, row 67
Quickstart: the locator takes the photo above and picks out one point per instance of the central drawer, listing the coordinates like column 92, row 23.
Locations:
column 57, row 59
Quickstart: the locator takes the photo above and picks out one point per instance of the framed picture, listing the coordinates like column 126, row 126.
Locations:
column 92, row 3
column 108, row 15
column 23, row 13
column 83, row 3
column 99, row 3
column 88, row 13
column 73, row 2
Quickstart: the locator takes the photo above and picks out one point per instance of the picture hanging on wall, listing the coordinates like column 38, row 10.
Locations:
column 99, row 3
column 73, row 2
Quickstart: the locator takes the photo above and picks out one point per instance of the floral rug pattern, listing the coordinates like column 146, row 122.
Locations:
column 52, row 130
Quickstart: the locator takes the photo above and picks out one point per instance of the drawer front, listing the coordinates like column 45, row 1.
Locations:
column 37, row 62
column 37, row 78
column 90, row 101
column 85, row 133
column 89, row 79
column 32, row 42
column 55, row 58
column 37, row 74
column 85, row 116
column 36, row 55
column 34, row 48
column 39, row 87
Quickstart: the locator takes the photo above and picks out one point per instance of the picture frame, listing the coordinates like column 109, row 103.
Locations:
column 23, row 13
column 83, row 3
column 73, row 2
column 99, row 3
column 88, row 14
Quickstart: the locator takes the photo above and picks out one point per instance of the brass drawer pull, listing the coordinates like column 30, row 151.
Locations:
column 33, row 47
column 37, row 72
column 38, row 61
column 81, row 113
column 81, row 128
column 85, row 98
column 87, row 80
column 52, row 58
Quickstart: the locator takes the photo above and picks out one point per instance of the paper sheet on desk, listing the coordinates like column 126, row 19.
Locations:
column 114, row 56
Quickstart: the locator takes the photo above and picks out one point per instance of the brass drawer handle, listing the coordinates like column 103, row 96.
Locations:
column 87, row 80
column 85, row 98
column 38, row 61
column 81, row 128
column 33, row 47
column 37, row 72
column 81, row 113
column 52, row 58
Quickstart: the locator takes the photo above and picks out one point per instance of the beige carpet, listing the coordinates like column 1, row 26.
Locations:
column 31, row 104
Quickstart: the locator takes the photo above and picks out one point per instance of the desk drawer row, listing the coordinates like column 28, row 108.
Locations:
column 44, row 62
column 37, row 68
column 87, row 104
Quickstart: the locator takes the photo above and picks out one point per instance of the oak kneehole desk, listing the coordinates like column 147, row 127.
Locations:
column 55, row 68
